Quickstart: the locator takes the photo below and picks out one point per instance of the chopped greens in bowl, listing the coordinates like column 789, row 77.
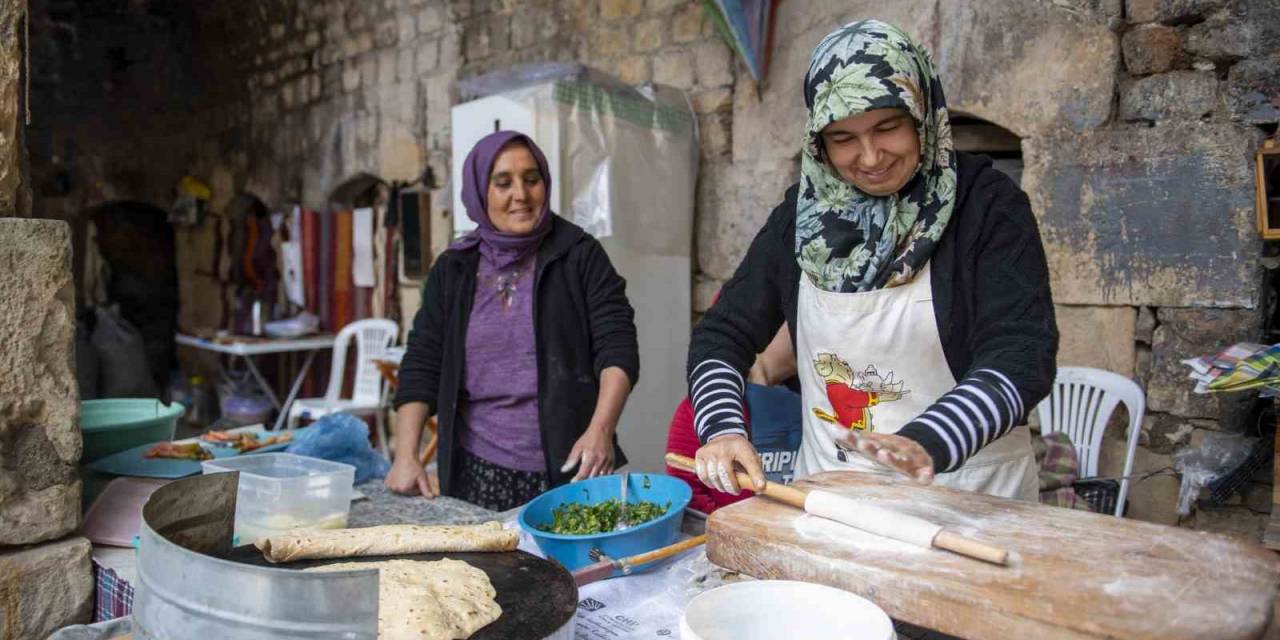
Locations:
column 576, row 518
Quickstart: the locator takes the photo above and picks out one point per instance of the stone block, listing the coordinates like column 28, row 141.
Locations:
column 400, row 155
column 714, row 64
column 430, row 18
column 633, row 70
column 615, row 9
column 610, row 41
column 331, row 82
column 1188, row 333
column 1169, row 10
column 649, row 35
column 1058, row 75
column 406, row 31
column 46, row 587
column 387, row 67
column 710, row 100
column 674, row 67
column 686, row 24
column 40, row 442
column 1253, row 89
column 733, row 202
column 1153, row 499
column 1228, row 36
column 499, row 32
column 1177, row 95
column 405, row 63
column 1151, row 48
column 350, row 76
column 657, row 6
column 428, row 56
column 1098, row 337
column 532, row 26
column 1156, row 216
column 357, row 44
column 475, row 39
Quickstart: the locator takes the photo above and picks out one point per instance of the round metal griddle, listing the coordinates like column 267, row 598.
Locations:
column 537, row 596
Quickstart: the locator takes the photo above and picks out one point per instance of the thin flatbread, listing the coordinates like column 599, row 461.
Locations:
column 429, row 600
column 386, row 540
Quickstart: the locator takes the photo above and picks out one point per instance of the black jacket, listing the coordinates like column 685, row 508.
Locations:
column 990, row 286
column 583, row 324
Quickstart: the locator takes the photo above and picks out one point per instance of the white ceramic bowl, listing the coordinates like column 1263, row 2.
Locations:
column 772, row 609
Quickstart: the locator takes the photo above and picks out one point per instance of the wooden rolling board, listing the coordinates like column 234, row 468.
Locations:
column 1072, row 574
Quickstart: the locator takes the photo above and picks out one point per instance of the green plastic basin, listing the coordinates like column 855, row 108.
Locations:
column 116, row 424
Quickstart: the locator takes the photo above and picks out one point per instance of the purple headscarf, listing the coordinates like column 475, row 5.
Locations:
column 500, row 247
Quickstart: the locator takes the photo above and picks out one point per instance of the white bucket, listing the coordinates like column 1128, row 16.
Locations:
column 772, row 609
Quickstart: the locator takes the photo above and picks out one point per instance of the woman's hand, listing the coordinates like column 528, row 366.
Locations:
column 715, row 463
column 409, row 478
column 901, row 454
column 592, row 454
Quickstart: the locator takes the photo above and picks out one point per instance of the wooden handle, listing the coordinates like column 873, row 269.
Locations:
column 978, row 550
column 658, row 554
column 795, row 497
column 785, row 494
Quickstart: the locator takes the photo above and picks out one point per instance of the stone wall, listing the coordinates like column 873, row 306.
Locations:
column 39, row 435
column 1138, row 119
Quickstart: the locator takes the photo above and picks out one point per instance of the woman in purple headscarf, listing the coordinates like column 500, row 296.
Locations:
column 524, row 347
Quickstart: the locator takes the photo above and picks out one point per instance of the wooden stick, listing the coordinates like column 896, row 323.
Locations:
column 796, row 497
column 658, row 554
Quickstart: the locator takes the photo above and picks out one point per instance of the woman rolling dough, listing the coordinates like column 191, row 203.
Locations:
column 915, row 281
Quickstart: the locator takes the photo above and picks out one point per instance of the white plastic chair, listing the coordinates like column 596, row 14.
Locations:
column 373, row 338
column 1080, row 406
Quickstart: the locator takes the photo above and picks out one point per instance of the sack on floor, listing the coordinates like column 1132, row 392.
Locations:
column 123, row 371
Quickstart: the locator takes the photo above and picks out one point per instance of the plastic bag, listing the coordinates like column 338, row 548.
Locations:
column 341, row 437
column 1218, row 455
column 123, row 371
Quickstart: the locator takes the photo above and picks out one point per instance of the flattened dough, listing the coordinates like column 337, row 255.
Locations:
column 387, row 540
column 437, row 600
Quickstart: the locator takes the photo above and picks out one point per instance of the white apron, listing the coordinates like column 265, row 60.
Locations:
column 874, row 361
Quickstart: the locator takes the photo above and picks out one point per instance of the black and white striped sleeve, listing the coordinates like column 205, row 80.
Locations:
column 717, row 390
column 981, row 408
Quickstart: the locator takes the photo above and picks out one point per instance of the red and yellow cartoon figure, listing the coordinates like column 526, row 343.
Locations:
column 853, row 393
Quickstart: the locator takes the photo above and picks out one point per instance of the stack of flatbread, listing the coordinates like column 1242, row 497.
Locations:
column 417, row 600
column 440, row 600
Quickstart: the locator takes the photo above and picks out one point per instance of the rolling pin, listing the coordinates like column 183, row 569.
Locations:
column 870, row 518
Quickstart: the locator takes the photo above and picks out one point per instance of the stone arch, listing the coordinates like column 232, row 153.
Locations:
column 136, row 242
column 977, row 135
column 360, row 190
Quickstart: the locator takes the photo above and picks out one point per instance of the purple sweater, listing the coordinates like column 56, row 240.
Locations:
column 500, row 396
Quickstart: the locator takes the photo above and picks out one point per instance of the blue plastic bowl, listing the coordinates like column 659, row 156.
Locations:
column 572, row 550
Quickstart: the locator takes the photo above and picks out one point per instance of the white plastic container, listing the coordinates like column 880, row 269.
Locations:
column 771, row 609
column 281, row 492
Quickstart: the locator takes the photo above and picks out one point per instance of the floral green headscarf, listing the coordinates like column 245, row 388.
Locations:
column 848, row 240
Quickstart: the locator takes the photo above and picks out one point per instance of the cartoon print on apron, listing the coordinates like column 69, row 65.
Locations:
column 873, row 361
